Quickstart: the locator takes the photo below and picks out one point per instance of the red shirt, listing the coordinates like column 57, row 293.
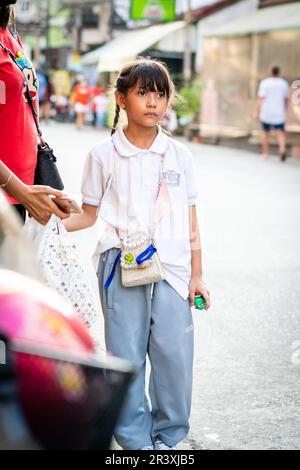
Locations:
column 18, row 134
column 81, row 94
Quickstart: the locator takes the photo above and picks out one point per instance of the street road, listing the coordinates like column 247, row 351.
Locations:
column 247, row 363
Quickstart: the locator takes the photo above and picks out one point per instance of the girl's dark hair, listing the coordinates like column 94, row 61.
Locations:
column 150, row 74
column 5, row 16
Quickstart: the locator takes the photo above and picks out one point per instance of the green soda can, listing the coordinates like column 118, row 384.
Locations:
column 199, row 303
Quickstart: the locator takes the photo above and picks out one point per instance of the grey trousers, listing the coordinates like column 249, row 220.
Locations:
column 161, row 326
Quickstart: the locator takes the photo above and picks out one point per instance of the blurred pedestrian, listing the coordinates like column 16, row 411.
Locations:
column 95, row 91
column 151, row 178
column 46, row 100
column 271, row 110
column 62, row 108
column 81, row 98
column 170, row 122
column 42, row 84
column 101, row 104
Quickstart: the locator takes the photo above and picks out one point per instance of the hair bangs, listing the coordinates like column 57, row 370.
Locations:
column 151, row 77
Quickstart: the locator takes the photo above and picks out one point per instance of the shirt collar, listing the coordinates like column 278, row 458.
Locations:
column 127, row 149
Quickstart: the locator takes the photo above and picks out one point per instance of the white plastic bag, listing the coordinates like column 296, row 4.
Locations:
column 59, row 262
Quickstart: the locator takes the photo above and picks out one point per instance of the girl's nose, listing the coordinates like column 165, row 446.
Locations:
column 151, row 101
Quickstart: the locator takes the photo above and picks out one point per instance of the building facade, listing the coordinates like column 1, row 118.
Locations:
column 237, row 57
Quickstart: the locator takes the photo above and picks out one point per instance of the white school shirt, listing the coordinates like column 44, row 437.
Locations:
column 274, row 90
column 122, row 180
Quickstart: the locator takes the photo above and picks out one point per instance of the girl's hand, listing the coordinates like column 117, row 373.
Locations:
column 197, row 286
column 81, row 221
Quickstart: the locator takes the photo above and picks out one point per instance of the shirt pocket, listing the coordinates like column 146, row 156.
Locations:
column 176, row 185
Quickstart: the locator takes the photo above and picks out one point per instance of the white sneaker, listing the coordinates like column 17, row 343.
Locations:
column 159, row 445
column 147, row 448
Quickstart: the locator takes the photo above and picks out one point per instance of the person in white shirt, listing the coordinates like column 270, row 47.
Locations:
column 121, row 180
column 101, row 102
column 271, row 110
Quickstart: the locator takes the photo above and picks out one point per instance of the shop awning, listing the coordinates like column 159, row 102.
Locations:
column 276, row 18
column 126, row 47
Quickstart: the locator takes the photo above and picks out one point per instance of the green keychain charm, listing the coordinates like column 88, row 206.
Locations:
column 199, row 303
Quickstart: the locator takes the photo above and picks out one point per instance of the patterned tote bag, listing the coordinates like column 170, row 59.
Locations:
column 59, row 261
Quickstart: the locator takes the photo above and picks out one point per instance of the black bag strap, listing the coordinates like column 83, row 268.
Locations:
column 28, row 96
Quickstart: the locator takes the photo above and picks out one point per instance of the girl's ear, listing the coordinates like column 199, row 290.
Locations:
column 120, row 99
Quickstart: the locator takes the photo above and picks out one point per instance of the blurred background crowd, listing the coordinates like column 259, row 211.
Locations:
column 218, row 51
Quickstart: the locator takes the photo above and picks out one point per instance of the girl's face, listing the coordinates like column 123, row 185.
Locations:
column 143, row 107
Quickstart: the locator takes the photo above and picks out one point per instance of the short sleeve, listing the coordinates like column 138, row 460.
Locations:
column 93, row 181
column 262, row 90
column 191, row 181
column 286, row 89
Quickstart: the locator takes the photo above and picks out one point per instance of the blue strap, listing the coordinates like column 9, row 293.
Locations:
column 110, row 277
column 147, row 254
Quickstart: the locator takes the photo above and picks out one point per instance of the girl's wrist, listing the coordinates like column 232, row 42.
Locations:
column 197, row 275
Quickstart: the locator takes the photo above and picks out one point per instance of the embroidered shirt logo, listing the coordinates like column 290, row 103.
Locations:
column 172, row 178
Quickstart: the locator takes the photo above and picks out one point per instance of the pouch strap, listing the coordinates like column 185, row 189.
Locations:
column 147, row 254
column 112, row 273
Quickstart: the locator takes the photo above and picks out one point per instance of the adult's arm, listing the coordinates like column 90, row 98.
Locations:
column 36, row 199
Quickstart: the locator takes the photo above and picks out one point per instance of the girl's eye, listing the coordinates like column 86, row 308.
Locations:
column 142, row 92
column 161, row 94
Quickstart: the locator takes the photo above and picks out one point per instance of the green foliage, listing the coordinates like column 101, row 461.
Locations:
column 188, row 103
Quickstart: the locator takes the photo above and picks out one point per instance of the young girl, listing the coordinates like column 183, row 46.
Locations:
column 121, row 181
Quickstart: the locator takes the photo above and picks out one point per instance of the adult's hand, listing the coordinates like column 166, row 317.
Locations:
column 38, row 201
